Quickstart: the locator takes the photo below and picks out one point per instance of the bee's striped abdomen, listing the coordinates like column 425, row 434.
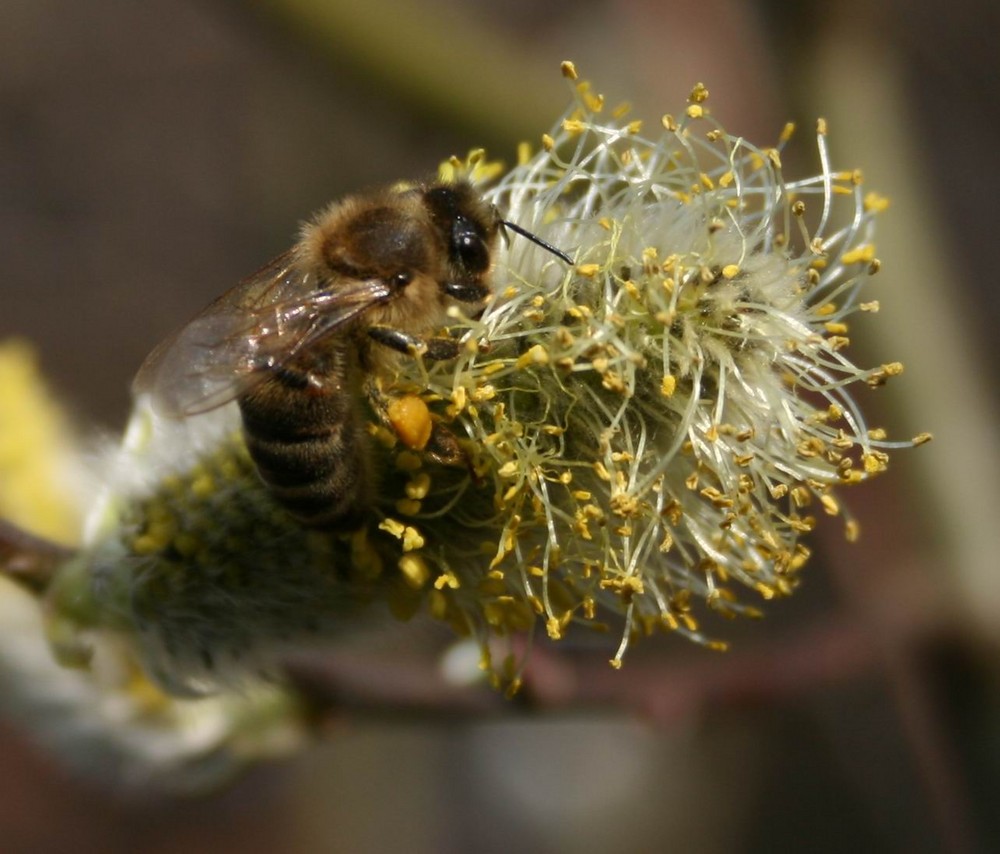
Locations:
column 306, row 441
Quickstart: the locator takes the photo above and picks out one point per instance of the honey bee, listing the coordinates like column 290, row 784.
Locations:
column 293, row 343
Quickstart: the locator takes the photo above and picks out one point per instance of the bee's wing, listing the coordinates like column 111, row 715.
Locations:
column 256, row 326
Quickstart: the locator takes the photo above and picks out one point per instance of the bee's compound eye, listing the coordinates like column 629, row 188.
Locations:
column 471, row 250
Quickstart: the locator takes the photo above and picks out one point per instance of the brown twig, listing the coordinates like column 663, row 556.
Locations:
column 28, row 559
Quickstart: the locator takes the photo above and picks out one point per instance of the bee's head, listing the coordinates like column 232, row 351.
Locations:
column 469, row 228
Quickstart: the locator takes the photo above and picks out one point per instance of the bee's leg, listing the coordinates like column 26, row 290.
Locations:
column 442, row 446
column 434, row 349
column 378, row 399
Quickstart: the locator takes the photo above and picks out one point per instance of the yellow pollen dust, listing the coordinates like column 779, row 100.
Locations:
column 699, row 94
column 593, row 102
column 418, row 487
column 407, row 507
column 860, row 254
column 875, row 202
column 415, row 571
column 392, row 527
column 536, row 355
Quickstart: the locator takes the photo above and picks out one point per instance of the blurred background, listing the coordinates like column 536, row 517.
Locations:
column 153, row 154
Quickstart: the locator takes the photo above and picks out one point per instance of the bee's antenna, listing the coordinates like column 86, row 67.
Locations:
column 534, row 238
